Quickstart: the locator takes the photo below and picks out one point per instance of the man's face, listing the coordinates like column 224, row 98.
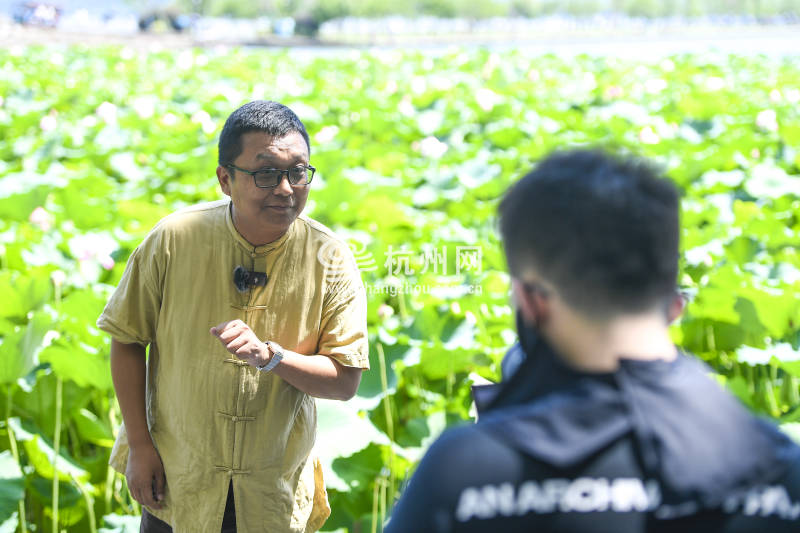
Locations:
column 258, row 212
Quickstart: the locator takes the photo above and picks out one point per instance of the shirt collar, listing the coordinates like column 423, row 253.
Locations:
column 244, row 243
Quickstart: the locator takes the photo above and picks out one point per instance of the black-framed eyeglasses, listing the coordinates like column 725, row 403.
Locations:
column 268, row 178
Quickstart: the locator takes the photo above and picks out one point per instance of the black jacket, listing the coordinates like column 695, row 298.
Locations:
column 653, row 446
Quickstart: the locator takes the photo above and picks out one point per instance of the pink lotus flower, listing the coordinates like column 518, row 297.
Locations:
column 93, row 247
column 42, row 219
column 612, row 92
column 326, row 134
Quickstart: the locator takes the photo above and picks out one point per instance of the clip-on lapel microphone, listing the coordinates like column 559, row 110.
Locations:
column 246, row 279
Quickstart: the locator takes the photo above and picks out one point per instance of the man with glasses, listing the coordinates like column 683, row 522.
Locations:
column 250, row 310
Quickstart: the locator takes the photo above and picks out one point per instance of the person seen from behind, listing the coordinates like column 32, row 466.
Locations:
column 603, row 425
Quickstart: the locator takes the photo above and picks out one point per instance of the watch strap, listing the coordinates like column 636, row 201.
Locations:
column 277, row 357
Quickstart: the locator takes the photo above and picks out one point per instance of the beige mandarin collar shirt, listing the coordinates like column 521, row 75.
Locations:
column 214, row 419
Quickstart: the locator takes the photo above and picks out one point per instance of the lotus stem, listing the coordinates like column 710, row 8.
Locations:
column 56, row 446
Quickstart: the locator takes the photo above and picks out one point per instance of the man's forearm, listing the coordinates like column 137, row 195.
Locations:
column 128, row 371
column 319, row 375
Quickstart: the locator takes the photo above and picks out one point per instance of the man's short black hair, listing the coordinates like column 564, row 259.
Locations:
column 259, row 115
column 604, row 230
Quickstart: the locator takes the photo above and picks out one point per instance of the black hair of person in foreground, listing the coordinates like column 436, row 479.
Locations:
column 604, row 425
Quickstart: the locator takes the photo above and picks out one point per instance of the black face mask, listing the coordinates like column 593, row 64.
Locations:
column 529, row 343
column 530, row 369
column 529, row 336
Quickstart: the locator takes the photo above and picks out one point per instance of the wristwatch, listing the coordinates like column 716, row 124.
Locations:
column 277, row 356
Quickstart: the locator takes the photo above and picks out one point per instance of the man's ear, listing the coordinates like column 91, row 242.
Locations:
column 676, row 307
column 532, row 305
column 224, row 177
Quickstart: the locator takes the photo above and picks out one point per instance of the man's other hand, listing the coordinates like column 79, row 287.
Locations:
column 239, row 339
column 145, row 475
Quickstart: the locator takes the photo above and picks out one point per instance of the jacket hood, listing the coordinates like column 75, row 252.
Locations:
column 696, row 439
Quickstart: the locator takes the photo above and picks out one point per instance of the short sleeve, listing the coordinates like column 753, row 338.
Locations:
column 343, row 325
column 131, row 315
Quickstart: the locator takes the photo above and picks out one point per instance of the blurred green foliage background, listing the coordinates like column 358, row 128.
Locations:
column 414, row 150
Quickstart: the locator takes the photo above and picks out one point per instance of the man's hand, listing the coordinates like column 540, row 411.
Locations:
column 239, row 339
column 145, row 472
column 145, row 475
column 320, row 376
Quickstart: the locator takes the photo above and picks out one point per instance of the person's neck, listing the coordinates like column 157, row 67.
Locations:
column 598, row 346
column 258, row 237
